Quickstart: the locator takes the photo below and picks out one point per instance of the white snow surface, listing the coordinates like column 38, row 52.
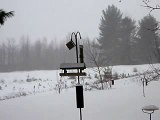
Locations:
column 123, row 101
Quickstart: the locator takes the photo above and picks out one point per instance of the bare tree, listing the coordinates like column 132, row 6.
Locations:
column 2, row 54
column 150, row 75
column 149, row 6
column 95, row 59
column 25, row 52
column 155, row 69
column 11, row 49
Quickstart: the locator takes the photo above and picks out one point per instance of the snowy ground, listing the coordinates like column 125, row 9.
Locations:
column 42, row 102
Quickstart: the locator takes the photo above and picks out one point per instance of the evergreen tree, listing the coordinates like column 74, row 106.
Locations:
column 147, row 39
column 109, row 27
column 4, row 15
column 127, row 37
column 115, row 37
column 110, row 32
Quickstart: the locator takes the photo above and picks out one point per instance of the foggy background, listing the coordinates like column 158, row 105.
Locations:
column 35, row 37
column 54, row 19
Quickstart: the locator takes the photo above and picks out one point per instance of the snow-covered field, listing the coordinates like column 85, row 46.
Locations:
column 33, row 96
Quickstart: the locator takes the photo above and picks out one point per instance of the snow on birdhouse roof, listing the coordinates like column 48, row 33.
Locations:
column 72, row 66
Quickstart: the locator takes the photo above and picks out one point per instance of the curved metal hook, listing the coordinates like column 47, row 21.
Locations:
column 73, row 33
column 79, row 34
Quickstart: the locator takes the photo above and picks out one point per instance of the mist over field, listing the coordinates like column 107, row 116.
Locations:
column 59, row 55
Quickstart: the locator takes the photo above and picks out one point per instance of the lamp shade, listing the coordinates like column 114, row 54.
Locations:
column 70, row 45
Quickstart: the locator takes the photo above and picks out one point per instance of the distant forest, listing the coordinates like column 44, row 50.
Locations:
column 121, row 41
column 26, row 55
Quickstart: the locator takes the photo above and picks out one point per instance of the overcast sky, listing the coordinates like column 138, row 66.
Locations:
column 54, row 19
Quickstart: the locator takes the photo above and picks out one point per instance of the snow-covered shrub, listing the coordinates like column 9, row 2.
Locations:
column 123, row 75
column 135, row 70
column 23, row 93
column 15, row 81
column 28, row 80
column 31, row 79
column 89, row 76
column 115, row 76
column 2, row 81
column 96, row 76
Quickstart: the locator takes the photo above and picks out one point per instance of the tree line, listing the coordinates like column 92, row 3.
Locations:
column 124, row 41
column 26, row 55
column 121, row 40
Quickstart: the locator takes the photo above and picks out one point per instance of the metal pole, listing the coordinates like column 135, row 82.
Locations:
column 80, row 114
column 77, row 61
column 150, row 115
column 77, row 50
column 77, row 69
column 77, row 54
column 76, row 47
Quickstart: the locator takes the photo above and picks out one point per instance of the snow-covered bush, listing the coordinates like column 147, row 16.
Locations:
column 115, row 76
column 135, row 70
column 96, row 76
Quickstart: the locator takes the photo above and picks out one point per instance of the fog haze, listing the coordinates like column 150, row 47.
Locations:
column 54, row 19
